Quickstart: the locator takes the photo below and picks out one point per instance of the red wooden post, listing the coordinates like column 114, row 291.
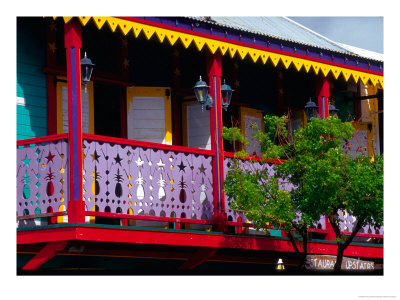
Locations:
column 239, row 228
column 322, row 96
column 73, row 43
column 214, row 71
column 322, row 92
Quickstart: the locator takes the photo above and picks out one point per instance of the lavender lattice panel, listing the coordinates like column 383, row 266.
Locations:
column 42, row 177
column 146, row 181
column 245, row 165
column 255, row 165
column 347, row 222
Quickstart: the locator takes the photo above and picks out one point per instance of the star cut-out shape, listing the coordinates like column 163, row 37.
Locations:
column 126, row 63
column 53, row 26
column 160, row 164
column 177, row 72
column 52, row 47
column 139, row 162
column 27, row 160
column 202, row 169
column 182, row 167
column 50, row 157
column 95, row 156
column 118, row 159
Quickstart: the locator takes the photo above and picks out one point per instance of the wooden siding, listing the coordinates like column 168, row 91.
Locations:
column 143, row 117
column 31, row 82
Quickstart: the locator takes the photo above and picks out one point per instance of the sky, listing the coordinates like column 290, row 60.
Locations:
column 362, row 32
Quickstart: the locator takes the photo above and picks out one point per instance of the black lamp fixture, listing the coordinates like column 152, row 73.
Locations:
column 86, row 70
column 332, row 110
column 226, row 92
column 201, row 91
column 311, row 110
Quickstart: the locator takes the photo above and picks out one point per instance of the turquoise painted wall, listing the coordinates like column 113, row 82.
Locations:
column 31, row 81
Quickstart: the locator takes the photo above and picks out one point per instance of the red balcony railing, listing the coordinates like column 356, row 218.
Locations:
column 42, row 180
column 132, row 183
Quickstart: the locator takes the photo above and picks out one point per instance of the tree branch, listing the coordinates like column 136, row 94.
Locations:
column 356, row 229
column 290, row 236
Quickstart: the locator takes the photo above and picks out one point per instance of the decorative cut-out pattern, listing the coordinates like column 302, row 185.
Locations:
column 42, row 177
column 147, row 181
column 348, row 221
column 249, row 165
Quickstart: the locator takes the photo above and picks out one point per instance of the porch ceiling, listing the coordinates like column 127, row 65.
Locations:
column 233, row 47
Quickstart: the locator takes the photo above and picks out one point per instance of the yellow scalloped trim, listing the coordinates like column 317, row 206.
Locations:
column 226, row 47
column 298, row 63
column 161, row 34
column 274, row 58
column 186, row 40
column 99, row 21
column 172, row 36
column 286, row 61
column 335, row 71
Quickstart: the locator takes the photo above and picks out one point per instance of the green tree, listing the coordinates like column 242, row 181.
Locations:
column 315, row 177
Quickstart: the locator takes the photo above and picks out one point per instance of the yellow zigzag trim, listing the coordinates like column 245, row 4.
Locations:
column 233, row 49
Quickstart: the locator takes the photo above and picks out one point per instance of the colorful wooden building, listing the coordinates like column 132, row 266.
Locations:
column 126, row 174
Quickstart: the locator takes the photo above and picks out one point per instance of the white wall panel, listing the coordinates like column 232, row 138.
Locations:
column 146, row 119
column 198, row 127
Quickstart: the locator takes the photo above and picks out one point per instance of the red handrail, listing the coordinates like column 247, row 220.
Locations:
column 44, row 215
column 42, row 139
column 115, row 140
column 253, row 157
column 146, row 218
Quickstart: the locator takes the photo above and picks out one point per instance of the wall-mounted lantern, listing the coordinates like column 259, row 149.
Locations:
column 311, row 110
column 226, row 92
column 86, row 70
column 333, row 110
column 201, row 91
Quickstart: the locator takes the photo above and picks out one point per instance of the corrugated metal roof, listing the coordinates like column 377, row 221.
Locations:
column 363, row 52
column 285, row 29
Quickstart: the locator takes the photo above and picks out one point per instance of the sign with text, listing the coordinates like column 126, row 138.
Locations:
column 327, row 262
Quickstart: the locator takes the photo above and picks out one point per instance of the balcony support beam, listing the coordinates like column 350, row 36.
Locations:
column 116, row 234
column 73, row 44
column 48, row 252
column 198, row 258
